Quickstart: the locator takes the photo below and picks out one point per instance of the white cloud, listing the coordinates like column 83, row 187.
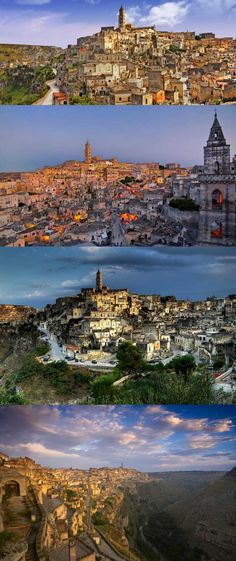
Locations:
column 46, row 28
column 202, row 441
column 133, row 14
column 92, row 2
column 173, row 420
column 69, row 283
column 169, row 13
column 36, row 448
column 39, row 449
column 217, row 5
column 223, row 426
column 33, row 2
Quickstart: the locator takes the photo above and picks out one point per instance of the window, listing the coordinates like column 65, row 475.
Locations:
column 217, row 200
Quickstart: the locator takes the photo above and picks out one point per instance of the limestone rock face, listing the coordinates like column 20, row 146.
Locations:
column 210, row 517
column 18, row 328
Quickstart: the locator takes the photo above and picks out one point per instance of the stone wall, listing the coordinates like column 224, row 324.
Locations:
column 186, row 217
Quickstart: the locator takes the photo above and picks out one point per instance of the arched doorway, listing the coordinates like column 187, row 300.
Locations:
column 217, row 200
column 12, row 489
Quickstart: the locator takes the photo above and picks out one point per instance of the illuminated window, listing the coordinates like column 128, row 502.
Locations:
column 217, row 200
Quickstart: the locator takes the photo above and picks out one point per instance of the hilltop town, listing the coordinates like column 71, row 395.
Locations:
column 129, row 65
column 107, row 202
column 105, row 514
column 125, row 65
column 94, row 322
column 70, row 350
column 54, row 514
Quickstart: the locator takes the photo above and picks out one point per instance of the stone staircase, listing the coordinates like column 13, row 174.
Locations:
column 34, row 510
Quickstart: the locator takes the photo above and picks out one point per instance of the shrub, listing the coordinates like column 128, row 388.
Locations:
column 184, row 204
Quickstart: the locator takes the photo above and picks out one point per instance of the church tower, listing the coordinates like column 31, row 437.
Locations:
column 87, row 153
column 217, row 152
column 122, row 18
column 99, row 281
column 217, row 191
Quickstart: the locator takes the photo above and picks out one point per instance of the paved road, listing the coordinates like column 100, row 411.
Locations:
column 56, row 354
column 47, row 99
column 118, row 230
column 227, row 387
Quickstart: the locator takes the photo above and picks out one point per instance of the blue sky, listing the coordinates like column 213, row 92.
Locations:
column 148, row 438
column 60, row 22
column 37, row 276
column 32, row 137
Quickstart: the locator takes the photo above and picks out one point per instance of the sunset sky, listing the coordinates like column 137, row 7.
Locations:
column 37, row 276
column 59, row 22
column 149, row 438
column 31, row 137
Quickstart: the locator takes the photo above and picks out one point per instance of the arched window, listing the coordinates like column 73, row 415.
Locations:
column 217, row 200
column 217, row 168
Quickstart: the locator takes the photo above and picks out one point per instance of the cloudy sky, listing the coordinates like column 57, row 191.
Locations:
column 32, row 137
column 37, row 276
column 149, row 438
column 60, row 22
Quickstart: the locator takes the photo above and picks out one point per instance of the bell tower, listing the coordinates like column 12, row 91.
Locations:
column 216, row 191
column 216, row 152
column 99, row 281
column 122, row 18
column 88, row 153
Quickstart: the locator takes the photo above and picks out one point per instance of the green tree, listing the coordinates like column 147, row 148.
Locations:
column 102, row 388
column 184, row 204
column 11, row 397
column 130, row 358
column 183, row 366
column 81, row 100
column 219, row 362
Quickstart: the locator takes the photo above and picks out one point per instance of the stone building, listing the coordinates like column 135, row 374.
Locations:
column 12, row 483
column 216, row 191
